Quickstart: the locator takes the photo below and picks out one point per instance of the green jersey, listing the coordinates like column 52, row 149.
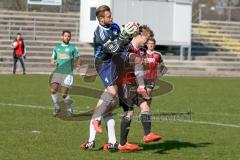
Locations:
column 64, row 55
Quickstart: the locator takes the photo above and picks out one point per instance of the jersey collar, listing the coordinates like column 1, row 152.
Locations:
column 150, row 52
column 104, row 28
column 64, row 45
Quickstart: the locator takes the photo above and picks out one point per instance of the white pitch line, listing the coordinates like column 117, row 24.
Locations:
column 33, row 106
column 25, row 105
column 184, row 121
column 210, row 123
column 218, row 114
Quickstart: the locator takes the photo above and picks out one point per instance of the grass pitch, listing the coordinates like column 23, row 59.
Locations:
column 29, row 132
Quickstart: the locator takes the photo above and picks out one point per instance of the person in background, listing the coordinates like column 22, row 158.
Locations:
column 19, row 53
column 154, row 65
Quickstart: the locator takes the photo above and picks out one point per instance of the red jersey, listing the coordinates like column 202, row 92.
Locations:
column 128, row 76
column 20, row 49
column 152, row 59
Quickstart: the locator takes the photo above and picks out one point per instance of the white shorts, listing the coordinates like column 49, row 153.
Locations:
column 65, row 80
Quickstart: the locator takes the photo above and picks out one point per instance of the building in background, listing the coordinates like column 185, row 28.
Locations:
column 170, row 20
column 22, row 5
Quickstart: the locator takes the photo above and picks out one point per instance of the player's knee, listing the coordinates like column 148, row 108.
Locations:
column 64, row 95
column 53, row 91
column 112, row 91
column 145, row 109
column 145, row 106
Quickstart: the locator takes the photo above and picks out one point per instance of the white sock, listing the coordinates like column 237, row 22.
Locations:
column 55, row 100
column 92, row 131
column 98, row 118
column 110, row 123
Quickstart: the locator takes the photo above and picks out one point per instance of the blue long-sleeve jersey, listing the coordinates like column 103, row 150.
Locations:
column 106, row 41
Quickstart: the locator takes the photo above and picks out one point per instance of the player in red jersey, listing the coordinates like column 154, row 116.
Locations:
column 154, row 65
column 129, row 96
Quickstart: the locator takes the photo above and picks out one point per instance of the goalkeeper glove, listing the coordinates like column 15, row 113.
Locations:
column 128, row 30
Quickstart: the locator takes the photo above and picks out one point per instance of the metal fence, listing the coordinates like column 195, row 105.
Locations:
column 216, row 13
column 32, row 30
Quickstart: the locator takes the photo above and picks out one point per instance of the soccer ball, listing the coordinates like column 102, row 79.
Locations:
column 132, row 29
column 14, row 44
column 135, row 29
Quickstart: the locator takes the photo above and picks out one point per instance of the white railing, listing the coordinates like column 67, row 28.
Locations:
column 33, row 25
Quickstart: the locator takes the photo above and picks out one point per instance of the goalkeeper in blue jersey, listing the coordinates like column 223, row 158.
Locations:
column 105, row 43
column 64, row 56
column 109, row 41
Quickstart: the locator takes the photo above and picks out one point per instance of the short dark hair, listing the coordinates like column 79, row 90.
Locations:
column 100, row 12
column 66, row 31
column 19, row 33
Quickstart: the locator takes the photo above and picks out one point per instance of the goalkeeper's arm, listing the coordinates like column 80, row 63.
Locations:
column 113, row 47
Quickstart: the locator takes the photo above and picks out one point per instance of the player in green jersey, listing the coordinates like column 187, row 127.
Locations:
column 64, row 56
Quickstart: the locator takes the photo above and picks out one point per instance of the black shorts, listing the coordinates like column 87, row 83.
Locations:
column 128, row 97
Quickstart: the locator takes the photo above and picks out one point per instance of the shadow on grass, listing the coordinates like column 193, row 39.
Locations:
column 160, row 148
column 168, row 145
